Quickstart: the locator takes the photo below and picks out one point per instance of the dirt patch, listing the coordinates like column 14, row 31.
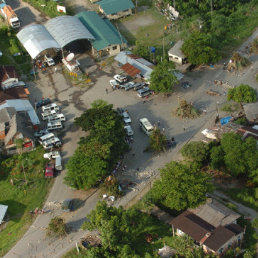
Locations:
column 138, row 22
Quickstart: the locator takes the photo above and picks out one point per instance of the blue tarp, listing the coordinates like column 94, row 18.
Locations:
column 225, row 120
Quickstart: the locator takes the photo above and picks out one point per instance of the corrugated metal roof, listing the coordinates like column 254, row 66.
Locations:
column 115, row 6
column 130, row 69
column 66, row 29
column 22, row 105
column 102, row 29
column 3, row 209
column 124, row 57
column 35, row 38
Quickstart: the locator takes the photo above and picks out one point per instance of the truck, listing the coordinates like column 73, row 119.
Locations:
column 10, row 16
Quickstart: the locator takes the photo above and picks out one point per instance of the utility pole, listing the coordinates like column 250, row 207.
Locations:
column 163, row 47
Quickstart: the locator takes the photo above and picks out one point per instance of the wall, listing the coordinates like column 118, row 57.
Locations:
column 117, row 15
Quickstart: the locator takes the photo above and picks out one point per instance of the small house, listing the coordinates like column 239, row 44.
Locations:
column 115, row 9
column 108, row 40
column 176, row 55
column 212, row 226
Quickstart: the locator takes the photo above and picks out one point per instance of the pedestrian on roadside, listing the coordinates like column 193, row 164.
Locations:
column 158, row 123
column 183, row 128
column 106, row 90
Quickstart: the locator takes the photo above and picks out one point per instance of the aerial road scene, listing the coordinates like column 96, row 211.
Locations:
column 129, row 128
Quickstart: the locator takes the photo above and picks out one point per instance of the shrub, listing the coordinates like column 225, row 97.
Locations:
column 242, row 93
column 56, row 227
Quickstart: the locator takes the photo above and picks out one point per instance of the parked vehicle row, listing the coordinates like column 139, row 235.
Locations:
column 127, row 121
column 121, row 82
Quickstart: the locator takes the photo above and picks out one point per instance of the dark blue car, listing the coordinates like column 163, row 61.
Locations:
column 43, row 102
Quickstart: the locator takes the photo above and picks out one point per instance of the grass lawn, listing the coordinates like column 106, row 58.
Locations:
column 10, row 45
column 246, row 196
column 19, row 197
column 150, row 35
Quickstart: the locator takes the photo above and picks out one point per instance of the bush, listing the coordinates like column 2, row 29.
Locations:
column 241, row 121
column 56, row 227
column 158, row 141
column 242, row 93
column 228, row 107
column 186, row 110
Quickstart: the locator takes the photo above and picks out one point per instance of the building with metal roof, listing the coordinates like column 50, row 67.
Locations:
column 175, row 54
column 66, row 29
column 115, row 9
column 58, row 32
column 3, row 210
column 36, row 39
column 138, row 62
column 108, row 39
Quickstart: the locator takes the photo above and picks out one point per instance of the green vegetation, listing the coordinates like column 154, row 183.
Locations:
column 162, row 78
column 181, row 186
column 10, row 46
column 56, row 227
column 230, row 107
column 48, row 7
column 186, row 110
column 199, row 50
column 242, row 93
column 246, row 196
column 19, row 196
column 236, row 157
column 158, row 141
column 241, row 121
column 125, row 233
column 254, row 47
column 195, row 151
column 98, row 152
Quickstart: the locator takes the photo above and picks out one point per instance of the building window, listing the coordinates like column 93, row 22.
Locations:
column 114, row 47
column 229, row 244
column 176, row 58
column 221, row 250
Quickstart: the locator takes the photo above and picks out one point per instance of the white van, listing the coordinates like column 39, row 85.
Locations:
column 57, row 117
column 146, row 126
column 49, row 60
column 53, row 125
column 47, row 114
column 49, row 144
column 49, row 107
column 46, row 137
column 58, row 163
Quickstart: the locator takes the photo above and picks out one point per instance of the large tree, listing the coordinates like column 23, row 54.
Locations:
column 195, row 151
column 235, row 156
column 242, row 93
column 181, row 186
column 198, row 49
column 158, row 141
column 162, row 78
column 100, row 150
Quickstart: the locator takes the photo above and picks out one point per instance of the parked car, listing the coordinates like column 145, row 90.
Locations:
column 50, row 107
column 186, row 85
column 128, row 130
column 114, row 84
column 49, row 170
column 144, row 92
column 49, row 60
column 146, row 126
column 126, row 118
column 129, row 85
column 41, row 133
column 138, row 85
column 43, row 102
column 51, row 155
column 120, row 78
column 57, row 117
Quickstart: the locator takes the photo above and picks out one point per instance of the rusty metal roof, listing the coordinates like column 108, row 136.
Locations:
column 130, row 69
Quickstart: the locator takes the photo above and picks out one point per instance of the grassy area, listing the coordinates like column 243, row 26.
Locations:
column 152, row 34
column 246, row 196
column 10, row 46
column 19, row 197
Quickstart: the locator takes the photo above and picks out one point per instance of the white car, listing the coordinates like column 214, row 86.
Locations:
column 120, row 78
column 51, row 155
column 114, row 83
column 126, row 118
column 49, row 61
column 128, row 130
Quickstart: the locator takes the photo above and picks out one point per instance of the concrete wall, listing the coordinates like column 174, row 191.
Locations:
column 110, row 50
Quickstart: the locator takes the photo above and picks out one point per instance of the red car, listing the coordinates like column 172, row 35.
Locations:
column 49, row 170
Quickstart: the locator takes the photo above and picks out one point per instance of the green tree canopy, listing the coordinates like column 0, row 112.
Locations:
column 158, row 141
column 100, row 150
column 242, row 93
column 181, row 186
column 198, row 49
column 235, row 156
column 162, row 78
column 195, row 151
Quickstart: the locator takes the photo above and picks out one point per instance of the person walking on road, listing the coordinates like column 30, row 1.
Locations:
column 106, row 90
